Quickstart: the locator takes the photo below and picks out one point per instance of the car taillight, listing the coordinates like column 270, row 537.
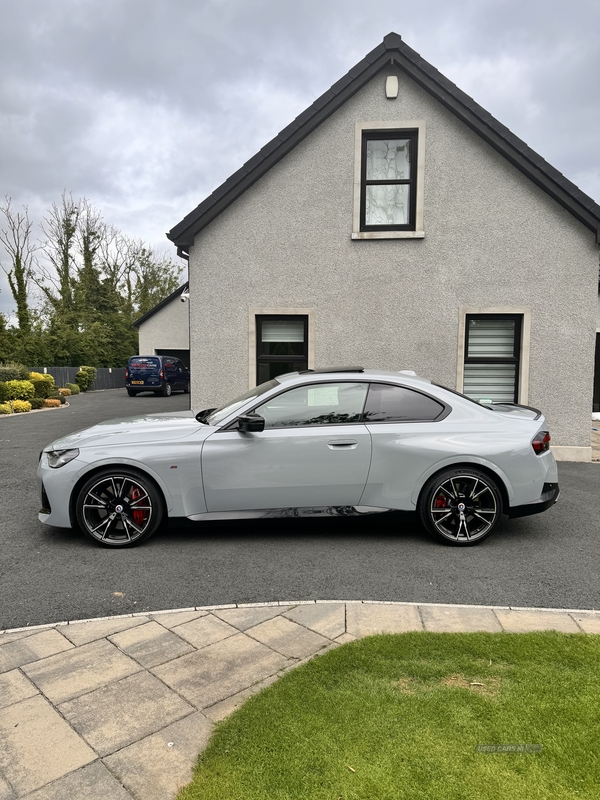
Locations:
column 161, row 375
column 126, row 374
column 541, row 442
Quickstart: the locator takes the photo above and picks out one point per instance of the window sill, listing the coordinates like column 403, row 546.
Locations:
column 388, row 234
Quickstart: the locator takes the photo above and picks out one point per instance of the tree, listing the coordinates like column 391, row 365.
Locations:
column 60, row 230
column 16, row 238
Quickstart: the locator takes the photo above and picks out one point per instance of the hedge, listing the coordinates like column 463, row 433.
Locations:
column 85, row 377
column 51, row 402
column 73, row 387
column 13, row 371
column 19, row 390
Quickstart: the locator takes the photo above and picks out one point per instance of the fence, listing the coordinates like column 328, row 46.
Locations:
column 107, row 377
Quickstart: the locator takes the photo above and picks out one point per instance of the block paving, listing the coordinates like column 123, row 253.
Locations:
column 119, row 708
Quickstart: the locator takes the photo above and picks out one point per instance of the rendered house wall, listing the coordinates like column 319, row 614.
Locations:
column 492, row 239
column 167, row 328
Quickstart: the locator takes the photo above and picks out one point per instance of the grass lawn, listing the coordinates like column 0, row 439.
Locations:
column 401, row 716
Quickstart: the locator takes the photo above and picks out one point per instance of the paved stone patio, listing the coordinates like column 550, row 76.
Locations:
column 119, row 708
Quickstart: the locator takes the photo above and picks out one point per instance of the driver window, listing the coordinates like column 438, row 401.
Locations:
column 315, row 404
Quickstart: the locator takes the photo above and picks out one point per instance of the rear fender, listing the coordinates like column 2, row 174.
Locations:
column 473, row 462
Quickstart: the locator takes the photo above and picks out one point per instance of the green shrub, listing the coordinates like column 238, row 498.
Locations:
column 13, row 371
column 73, row 387
column 3, row 392
column 62, row 399
column 20, row 406
column 42, row 387
column 83, row 380
column 37, row 402
column 85, row 377
column 20, row 390
column 5, row 408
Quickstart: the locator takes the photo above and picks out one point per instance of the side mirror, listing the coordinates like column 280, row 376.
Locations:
column 251, row 423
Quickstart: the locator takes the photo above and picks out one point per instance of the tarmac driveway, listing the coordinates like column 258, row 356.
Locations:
column 50, row 574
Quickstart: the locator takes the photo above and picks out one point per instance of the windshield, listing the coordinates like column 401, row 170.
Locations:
column 230, row 408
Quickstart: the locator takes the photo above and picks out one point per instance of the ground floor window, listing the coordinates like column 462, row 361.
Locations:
column 492, row 357
column 281, row 345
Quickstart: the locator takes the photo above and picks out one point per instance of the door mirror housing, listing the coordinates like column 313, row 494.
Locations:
column 251, row 423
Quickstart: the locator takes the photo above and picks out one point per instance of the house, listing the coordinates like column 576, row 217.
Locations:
column 165, row 329
column 396, row 224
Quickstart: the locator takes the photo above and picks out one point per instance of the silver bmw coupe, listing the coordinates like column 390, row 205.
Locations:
column 319, row 442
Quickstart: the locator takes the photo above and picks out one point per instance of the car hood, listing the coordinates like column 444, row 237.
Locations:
column 133, row 430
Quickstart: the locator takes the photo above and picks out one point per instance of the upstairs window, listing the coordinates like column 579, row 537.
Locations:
column 389, row 180
column 389, row 167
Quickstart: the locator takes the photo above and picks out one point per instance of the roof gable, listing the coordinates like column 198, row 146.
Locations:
column 392, row 51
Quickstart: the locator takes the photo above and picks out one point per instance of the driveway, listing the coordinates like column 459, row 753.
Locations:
column 51, row 574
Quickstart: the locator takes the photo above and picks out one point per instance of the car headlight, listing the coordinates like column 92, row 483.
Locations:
column 58, row 458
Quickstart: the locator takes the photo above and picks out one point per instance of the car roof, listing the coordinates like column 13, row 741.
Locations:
column 348, row 373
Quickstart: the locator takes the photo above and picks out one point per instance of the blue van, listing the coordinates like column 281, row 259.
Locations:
column 159, row 374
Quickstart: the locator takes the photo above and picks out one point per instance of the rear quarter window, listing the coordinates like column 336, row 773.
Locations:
column 387, row 403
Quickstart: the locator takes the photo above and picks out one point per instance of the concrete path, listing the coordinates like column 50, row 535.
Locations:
column 118, row 708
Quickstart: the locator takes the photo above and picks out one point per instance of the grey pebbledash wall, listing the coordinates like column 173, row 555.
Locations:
column 167, row 329
column 492, row 238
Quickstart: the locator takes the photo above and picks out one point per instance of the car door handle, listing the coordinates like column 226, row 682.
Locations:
column 342, row 444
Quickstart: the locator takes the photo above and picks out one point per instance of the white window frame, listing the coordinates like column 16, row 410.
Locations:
column 400, row 125
column 280, row 312
column 523, row 386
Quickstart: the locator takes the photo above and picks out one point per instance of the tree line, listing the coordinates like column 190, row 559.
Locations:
column 78, row 286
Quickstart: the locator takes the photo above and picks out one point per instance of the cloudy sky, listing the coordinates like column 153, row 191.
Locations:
column 145, row 106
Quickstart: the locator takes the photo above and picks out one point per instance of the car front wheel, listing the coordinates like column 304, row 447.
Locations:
column 119, row 508
column 460, row 506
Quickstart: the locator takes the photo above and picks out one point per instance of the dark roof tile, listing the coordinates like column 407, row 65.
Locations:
column 463, row 97
column 376, row 53
column 288, row 131
column 305, row 116
column 234, row 179
column 498, row 127
column 427, row 68
column 393, row 41
column 480, row 112
column 358, row 70
column 514, row 141
column 322, row 101
column 254, row 162
column 534, row 157
column 340, row 85
column 270, row 147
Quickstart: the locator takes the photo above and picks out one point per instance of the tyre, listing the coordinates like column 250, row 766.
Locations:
column 186, row 389
column 131, row 392
column 119, row 507
column 166, row 390
column 460, row 507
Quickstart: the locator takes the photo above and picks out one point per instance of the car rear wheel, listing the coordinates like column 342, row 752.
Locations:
column 166, row 390
column 186, row 389
column 460, row 507
column 119, row 508
column 131, row 392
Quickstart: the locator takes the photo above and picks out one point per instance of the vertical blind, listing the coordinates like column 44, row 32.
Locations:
column 491, row 365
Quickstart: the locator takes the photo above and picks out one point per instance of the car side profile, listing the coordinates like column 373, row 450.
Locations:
column 318, row 442
column 159, row 374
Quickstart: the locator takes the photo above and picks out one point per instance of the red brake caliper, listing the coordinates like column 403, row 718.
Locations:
column 139, row 515
column 441, row 501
